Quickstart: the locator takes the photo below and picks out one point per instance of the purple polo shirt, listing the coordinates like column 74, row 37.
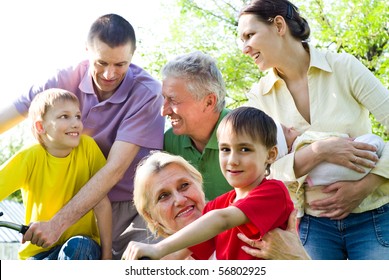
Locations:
column 131, row 114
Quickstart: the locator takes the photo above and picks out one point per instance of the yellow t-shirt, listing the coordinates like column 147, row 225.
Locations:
column 47, row 183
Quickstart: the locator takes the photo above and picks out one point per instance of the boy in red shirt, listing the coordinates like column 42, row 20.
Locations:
column 247, row 140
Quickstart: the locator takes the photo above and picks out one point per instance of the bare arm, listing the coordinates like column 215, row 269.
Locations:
column 347, row 195
column 184, row 254
column 103, row 213
column 336, row 150
column 277, row 244
column 204, row 228
column 119, row 159
column 9, row 117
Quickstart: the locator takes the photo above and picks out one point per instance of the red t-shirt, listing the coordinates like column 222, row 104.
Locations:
column 268, row 206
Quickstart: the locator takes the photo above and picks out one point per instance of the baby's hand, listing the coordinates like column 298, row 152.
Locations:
column 137, row 250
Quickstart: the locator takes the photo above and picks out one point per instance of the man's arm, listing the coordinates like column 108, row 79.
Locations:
column 120, row 157
column 9, row 117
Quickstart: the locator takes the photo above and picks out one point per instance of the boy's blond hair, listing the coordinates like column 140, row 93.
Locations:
column 45, row 100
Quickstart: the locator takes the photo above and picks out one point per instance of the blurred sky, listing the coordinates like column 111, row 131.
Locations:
column 38, row 36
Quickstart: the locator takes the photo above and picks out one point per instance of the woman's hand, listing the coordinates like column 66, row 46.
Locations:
column 337, row 150
column 137, row 250
column 277, row 244
column 346, row 152
column 346, row 196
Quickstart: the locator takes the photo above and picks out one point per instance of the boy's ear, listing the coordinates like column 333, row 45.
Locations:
column 272, row 154
column 38, row 126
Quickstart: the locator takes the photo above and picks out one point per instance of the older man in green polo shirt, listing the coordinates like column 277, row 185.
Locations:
column 194, row 101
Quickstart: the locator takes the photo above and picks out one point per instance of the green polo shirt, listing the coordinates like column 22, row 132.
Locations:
column 207, row 162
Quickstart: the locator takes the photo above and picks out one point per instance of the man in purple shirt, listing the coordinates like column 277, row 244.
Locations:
column 120, row 105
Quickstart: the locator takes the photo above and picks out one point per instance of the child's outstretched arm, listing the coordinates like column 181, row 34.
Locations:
column 203, row 229
column 103, row 213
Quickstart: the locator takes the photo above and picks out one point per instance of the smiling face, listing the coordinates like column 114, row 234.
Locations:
column 108, row 66
column 61, row 128
column 259, row 40
column 176, row 198
column 186, row 113
column 243, row 161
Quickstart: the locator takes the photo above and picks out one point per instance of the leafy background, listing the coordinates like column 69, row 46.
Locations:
column 359, row 27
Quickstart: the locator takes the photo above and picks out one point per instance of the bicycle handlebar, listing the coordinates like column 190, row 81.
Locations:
column 20, row 228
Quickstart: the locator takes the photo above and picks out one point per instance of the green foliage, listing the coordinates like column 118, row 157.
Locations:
column 218, row 20
column 354, row 26
column 210, row 26
column 359, row 27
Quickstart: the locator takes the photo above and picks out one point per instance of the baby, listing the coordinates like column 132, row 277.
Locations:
column 325, row 173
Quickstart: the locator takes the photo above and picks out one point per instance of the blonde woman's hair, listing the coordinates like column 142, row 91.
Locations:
column 152, row 165
column 45, row 100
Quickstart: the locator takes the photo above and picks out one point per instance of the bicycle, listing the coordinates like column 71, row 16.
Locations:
column 18, row 227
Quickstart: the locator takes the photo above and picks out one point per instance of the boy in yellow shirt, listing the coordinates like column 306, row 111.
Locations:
column 50, row 173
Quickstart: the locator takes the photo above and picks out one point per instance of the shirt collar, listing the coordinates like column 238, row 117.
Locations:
column 121, row 92
column 212, row 143
column 317, row 60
